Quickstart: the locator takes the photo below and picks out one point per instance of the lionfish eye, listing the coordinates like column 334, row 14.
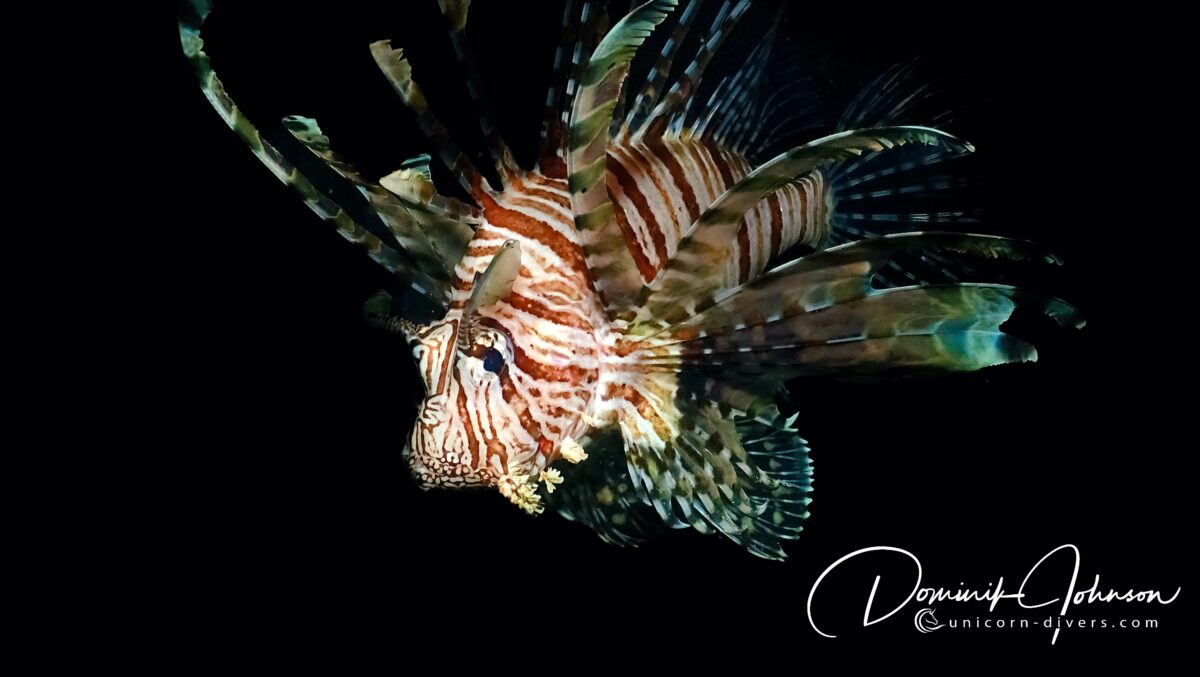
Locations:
column 493, row 361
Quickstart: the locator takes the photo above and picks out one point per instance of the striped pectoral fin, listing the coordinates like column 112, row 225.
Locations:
column 412, row 278
column 836, row 275
column 456, row 12
column 859, row 359
column 600, row 494
column 675, row 102
column 582, row 30
column 719, row 470
column 398, row 72
column 696, row 274
column 413, row 184
column 820, row 315
column 612, row 266
column 445, row 222
column 652, row 86
column 435, row 242
column 946, row 328
column 899, row 310
column 550, row 140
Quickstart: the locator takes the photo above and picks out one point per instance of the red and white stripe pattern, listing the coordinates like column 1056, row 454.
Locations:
column 661, row 187
column 477, row 428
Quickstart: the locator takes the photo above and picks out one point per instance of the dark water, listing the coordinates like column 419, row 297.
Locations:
column 312, row 520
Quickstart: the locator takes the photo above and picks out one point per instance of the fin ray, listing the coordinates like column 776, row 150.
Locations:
column 191, row 19
column 398, row 72
column 436, row 250
column 612, row 266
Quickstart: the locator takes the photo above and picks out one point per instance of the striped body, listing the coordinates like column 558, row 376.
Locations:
column 660, row 188
column 473, row 431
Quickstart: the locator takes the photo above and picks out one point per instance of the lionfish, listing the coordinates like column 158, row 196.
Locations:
column 610, row 332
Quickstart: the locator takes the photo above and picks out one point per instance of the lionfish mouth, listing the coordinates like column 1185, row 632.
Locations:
column 518, row 485
column 447, row 469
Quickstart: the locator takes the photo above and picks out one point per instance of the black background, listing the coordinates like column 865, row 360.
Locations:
column 297, row 413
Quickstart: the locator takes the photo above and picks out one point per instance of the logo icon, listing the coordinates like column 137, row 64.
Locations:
column 926, row 622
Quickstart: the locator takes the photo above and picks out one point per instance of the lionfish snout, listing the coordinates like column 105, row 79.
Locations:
column 438, row 453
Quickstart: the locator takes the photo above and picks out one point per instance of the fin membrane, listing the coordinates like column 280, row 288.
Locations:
column 718, row 469
column 820, row 314
column 601, row 495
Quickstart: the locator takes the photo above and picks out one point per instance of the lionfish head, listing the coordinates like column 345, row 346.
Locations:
column 468, row 431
